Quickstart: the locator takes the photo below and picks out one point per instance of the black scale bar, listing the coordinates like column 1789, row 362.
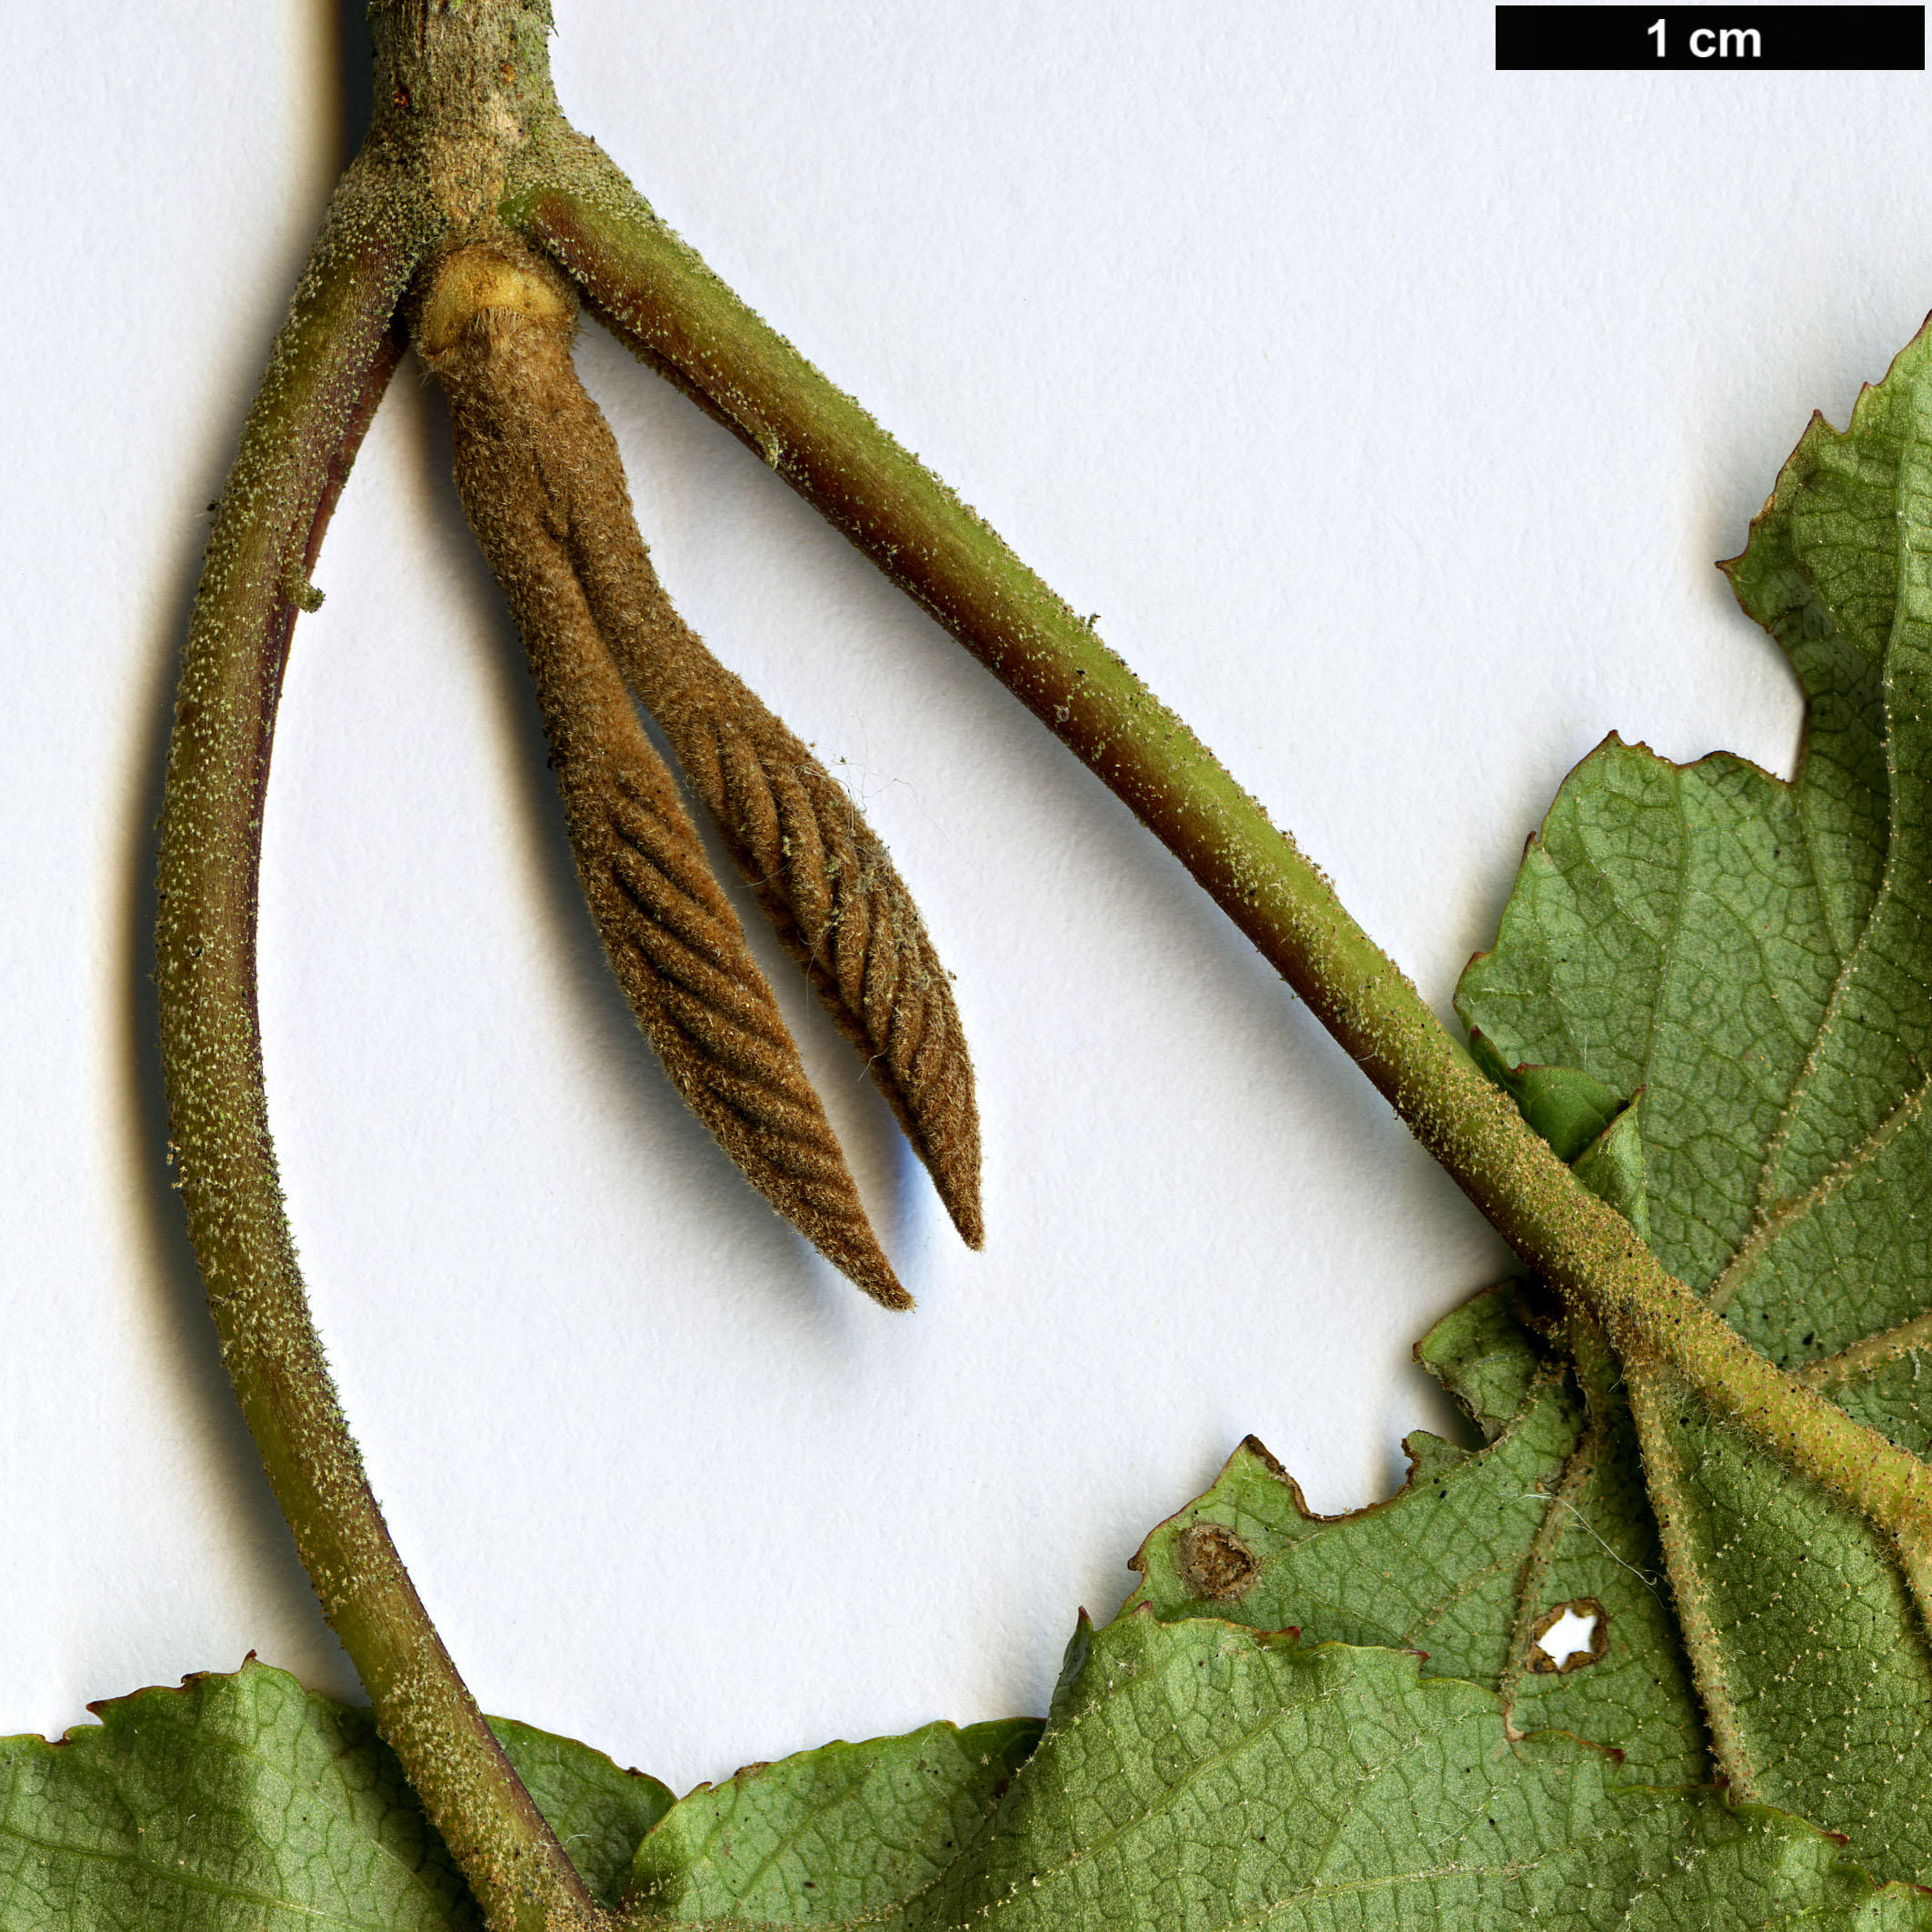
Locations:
column 1717, row 39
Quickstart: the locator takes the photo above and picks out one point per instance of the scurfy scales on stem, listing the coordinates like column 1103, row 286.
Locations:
column 1384, row 1043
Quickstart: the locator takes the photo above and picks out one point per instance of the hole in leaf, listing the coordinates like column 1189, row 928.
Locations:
column 1569, row 1637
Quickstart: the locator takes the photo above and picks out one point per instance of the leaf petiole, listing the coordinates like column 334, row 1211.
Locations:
column 452, row 160
column 677, row 317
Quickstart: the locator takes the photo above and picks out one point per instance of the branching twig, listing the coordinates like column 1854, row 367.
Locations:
column 468, row 149
column 662, row 300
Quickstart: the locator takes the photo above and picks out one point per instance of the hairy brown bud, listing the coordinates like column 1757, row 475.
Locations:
column 821, row 873
column 494, row 324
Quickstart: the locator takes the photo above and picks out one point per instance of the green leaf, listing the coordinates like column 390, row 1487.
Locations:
column 232, row 1801
column 245, row 1801
column 834, row 1837
column 1755, row 960
column 1201, row 1775
column 1191, row 1774
column 1711, row 995
column 1692, row 957
column 1568, row 1108
column 596, row 1808
column 1483, row 1355
column 1612, row 1166
column 1470, row 1555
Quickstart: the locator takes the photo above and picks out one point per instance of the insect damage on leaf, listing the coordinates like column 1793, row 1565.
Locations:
column 1465, row 1561
column 1190, row 1776
column 1571, row 1636
column 1712, row 993
column 1754, row 958
column 1215, row 1562
column 1710, row 996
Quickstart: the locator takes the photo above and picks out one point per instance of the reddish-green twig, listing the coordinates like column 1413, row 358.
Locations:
column 468, row 151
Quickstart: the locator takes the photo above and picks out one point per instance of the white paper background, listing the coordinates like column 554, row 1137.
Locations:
column 1389, row 412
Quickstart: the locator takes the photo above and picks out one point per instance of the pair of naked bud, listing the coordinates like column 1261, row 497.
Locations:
column 540, row 478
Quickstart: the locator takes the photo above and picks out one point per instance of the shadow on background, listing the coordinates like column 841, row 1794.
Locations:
column 356, row 70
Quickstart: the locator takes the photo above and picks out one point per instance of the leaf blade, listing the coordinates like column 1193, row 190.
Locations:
column 1784, row 1021
column 244, row 1801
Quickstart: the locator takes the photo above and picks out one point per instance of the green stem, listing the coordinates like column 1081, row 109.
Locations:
column 467, row 136
column 331, row 363
column 661, row 299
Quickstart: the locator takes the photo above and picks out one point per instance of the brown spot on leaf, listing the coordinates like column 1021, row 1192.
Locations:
column 1214, row 1562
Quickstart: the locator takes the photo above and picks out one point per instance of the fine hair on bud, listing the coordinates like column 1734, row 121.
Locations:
column 535, row 467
